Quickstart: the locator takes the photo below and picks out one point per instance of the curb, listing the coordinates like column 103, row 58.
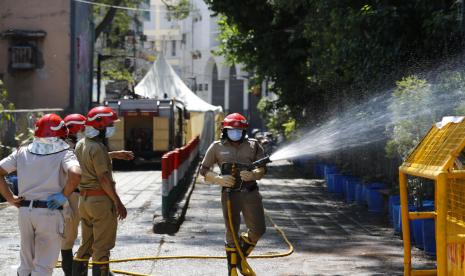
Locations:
column 171, row 225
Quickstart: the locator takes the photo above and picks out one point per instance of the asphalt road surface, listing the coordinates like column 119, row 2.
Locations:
column 330, row 237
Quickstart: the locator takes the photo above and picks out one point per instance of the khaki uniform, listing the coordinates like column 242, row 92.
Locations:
column 72, row 218
column 71, row 222
column 248, row 200
column 98, row 216
column 41, row 229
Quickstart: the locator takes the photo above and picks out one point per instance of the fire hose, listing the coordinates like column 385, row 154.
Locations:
column 231, row 227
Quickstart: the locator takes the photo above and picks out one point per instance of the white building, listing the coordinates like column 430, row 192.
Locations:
column 187, row 45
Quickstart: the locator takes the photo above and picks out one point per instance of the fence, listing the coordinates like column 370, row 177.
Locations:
column 177, row 167
column 438, row 157
column 21, row 121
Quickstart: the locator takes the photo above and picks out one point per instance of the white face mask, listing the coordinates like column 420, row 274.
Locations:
column 234, row 134
column 80, row 135
column 91, row 132
column 109, row 131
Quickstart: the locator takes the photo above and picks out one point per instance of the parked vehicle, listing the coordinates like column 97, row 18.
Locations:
column 148, row 127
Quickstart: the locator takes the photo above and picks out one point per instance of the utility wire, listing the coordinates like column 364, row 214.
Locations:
column 123, row 7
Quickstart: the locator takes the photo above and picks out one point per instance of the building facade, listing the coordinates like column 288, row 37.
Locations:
column 188, row 44
column 46, row 52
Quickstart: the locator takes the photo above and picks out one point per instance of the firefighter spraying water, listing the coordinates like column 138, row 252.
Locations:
column 235, row 154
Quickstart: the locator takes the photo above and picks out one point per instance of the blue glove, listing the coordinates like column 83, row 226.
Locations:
column 55, row 201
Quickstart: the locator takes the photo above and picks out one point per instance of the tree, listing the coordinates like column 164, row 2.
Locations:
column 319, row 54
column 4, row 117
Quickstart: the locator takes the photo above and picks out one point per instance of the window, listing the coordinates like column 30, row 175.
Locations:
column 184, row 37
column 146, row 15
column 200, row 87
column 206, row 86
column 173, row 48
column 22, row 57
column 24, row 49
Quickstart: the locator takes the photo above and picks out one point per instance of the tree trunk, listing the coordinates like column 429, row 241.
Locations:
column 107, row 19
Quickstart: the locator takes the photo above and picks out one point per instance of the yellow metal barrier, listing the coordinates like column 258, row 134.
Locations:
column 435, row 158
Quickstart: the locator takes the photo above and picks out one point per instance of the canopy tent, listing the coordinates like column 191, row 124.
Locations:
column 161, row 81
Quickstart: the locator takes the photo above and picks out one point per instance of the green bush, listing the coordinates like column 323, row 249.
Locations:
column 4, row 117
column 411, row 115
column 277, row 119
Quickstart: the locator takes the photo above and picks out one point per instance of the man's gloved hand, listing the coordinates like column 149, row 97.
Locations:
column 55, row 201
column 256, row 174
column 222, row 180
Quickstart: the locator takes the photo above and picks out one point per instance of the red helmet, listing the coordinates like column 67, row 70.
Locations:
column 235, row 120
column 75, row 123
column 50, row 125
column 100, row 117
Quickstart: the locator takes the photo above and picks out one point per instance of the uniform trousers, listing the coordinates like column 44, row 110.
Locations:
column 41, row 231
column 98, row 227
column 251, row 206
column 71, row 223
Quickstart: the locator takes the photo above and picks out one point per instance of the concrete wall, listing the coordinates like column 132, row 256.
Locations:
column 47, row 87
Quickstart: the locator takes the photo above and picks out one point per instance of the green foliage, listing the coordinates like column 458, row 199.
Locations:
column 277, row 119
column 289, row 128
column 411, row 114
column 179, row 9
column 115, row 30
column 5, row 105
column 318, row 53
column 417, row 103
column 116, row 73
column 4, row 117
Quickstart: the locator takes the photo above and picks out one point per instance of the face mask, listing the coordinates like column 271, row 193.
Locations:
column 235, row 134
column 80, row 135
column 109, row 132
column 91, row 132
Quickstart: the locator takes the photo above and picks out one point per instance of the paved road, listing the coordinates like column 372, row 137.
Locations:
column 330, row 237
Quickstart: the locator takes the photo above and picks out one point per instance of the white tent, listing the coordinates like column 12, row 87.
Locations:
column 162, row 79
column 163, row 82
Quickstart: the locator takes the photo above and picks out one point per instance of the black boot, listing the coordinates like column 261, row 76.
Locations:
column 80, row 268
column 67, row 261
column 101, row 270
column 231, row 255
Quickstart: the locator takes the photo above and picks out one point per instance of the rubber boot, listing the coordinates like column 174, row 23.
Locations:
column 67, row 261
column 80, row 268
column 231, row 255
column 247, row 247
column 101, row 270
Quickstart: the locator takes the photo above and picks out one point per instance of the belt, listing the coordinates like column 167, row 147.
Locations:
column 244, row 188
column 96, row 192
column 36, row 204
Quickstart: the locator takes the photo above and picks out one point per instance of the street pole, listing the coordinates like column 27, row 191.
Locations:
column 99, row 75
column 134, row 44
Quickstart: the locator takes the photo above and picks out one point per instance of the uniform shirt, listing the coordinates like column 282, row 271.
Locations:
column 221, row 152
column 95, row 160
column 39, row 176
